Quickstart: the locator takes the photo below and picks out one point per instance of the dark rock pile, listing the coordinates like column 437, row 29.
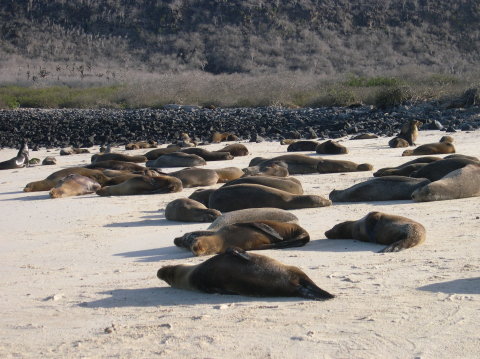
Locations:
column 85, row 128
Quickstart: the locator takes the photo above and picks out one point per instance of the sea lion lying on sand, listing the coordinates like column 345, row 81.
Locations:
column 251, row 215
column 143, row 185
column 74, row 185
column 51, row 181
column 189, row 210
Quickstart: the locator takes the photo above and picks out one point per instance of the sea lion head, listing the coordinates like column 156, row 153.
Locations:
column 407, row 153
column 340, row 231
column 167, row 273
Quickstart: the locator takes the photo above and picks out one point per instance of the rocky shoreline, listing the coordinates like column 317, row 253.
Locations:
column 85, row 128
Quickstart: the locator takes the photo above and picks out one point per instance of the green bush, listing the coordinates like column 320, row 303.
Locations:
column 392, row 96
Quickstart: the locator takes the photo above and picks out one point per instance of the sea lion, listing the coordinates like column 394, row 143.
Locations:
column 364, row 136
column 143, row 185
column 409, row 131
column 154, row 154
column 405, row 169
column 228, row 174
column 296, row 163
column 194, row 177
column 302, row 146
column 458, row 155
column 377, row 227
column 288, row 141
column 431, row 149
column 208, row 155
column 189, row 210
column 448, row 139
column 248, row 236
column 238, row 272
column 49, row 160
column 269, row 168
column 398, row 142
column 116, row 165
column 74, row 185
column 387, row 188
column 51, row 181
column 287, row 184
column 202, row 195
column 460, row 183
column 241, row 196
column 336, row 166
column 141, row 144
column 331, row 148
column 225, row 136
column 117, row 157
column 251, row 215
column 235, row 149
column 438, row 169
column 19, row 161
column 177, row 159
column 73, row 151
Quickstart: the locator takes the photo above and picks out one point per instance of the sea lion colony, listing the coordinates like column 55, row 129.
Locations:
column 249, row 211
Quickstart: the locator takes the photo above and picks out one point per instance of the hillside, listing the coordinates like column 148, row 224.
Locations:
column 323, row 37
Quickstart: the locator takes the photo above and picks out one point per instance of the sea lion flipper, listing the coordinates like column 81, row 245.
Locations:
column 239, row 253
column 311, row 291
column 298, row 241
column 266, row 229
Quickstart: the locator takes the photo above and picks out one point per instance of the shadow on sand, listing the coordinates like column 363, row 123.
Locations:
column 157, row 254
column 457, row 286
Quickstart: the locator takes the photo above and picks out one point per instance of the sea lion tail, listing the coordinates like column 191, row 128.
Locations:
column 298, row 241
column 309, row 290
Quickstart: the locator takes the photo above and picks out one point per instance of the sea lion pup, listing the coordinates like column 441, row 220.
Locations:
column 377, row 227
column 116, row 165
column 49, row 160
column 177, row 159
column 208, row 155
column 189, row 210
column 140, row 144
column 336, row 166
column 461, row 183
column 241, row 196
column 331, row 147
column 364, row 136
column 238, row 272
column 448, row 139
column 19, row 161
column 117, row 157
column 387, row 188
column 438, row 169
column 296, row 163
column 74, row 185
column 202, row 195
column 73, row 151
column 154, row 154
column 225, row 136
column 51, row 181
column 143, row 185
column 195, row 177
column 302, row 146
column 248, row 236
column 287, row 184
column 270, row 168
column 235, row 149
column 228, row 174
column 252, row 215
column 405, row 169
column 431, row 149
column 398, row 142
column 409, row 131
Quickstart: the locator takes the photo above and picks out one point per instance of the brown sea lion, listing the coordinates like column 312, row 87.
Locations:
column 202, row 195
column 116, row 165
column 409, row 131
column 51, row 181
column 448, row 139
column 406, row 168
column 269, row 168
column 258, row 235
column 140, row 144
column 431, row 149
column 208, row 155
column 73, row 151
column 287, row 184
column 117, row 157
column 296, row 163
column 336, row 166
column 298, row 146
column 49, row 160
column 143, row 185
column 377, row 227
column 458, row 155
column 189, row 210
column 288, row 141
column 224, row 136
column 228, row 174
column 154, row 154
column 398, row 142
column 235, row 149
column 438, row 169
column 364, row 136
column 331, row 147
column 387, row 188
column 460, row 183
column 252, row 215
column 177, row 159
column 195, row 177
column 232, row 198
column 19, row 161
column 74, row 185
column 238, row 272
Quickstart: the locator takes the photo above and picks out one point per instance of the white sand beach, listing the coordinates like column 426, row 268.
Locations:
column 78, row 275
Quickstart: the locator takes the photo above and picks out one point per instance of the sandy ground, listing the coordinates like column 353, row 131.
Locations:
column 73, row 267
